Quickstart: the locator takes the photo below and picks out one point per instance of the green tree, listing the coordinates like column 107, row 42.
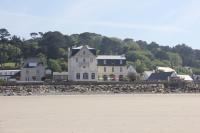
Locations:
column 175, row 59
column 54, row 65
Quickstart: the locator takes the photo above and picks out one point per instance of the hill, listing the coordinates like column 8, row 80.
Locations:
column 52, row 47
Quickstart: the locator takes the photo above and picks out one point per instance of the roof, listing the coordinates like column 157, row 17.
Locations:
column 75, row 50
column 185, row 77
column 165, row 69
column 148, row 73
column 8, row 72
column 113, row 57
column 160, row 76
column 32, row 62
column 80, row 47
column 60, row 73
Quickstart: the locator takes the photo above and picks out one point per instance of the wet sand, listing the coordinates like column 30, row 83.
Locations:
column 101, row 114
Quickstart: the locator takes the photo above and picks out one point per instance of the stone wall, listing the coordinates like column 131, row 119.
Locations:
column 66, row 89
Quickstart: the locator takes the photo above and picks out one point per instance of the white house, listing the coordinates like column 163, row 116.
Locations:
column 82, row 64
column 185, row 77
column 33, row 70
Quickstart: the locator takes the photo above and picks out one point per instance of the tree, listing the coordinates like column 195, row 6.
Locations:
column 51, row 43
column 54, row 65
column 4, row 34
column 175, row 59
column 34, row 35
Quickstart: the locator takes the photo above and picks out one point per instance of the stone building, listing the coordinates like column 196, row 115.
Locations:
column 111, row 67
column 33, row 70
column 82, row 64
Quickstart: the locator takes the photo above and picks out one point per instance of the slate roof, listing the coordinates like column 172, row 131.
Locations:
column 74, row 51
column 111, row 57
column 160, row 76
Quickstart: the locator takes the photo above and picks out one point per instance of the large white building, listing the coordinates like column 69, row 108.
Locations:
column 82, row 64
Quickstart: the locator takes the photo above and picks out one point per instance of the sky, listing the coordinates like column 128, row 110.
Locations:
column 167, row 22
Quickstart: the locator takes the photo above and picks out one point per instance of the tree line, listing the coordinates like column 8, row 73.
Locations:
column 52, row 48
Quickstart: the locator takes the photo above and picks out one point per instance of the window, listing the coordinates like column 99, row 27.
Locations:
column 76, row 59
column 93, row 76
column 83, row 59
column 104, row 62
column 121, row 69
column 83, row 52
column 113, row 69
column 121, row 62
column 0, row 73
column 85, row 75
column 78, row 76
column 84, row 67
column 104, row 69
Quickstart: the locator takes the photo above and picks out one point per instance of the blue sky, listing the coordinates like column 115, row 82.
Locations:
column 168, row 22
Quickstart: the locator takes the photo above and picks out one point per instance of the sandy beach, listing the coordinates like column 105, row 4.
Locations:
column 101, row 114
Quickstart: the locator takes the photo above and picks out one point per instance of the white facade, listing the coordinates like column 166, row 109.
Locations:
column 82, row 64
column 32, row 70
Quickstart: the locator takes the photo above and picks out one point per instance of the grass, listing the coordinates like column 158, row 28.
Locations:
column 9, row 65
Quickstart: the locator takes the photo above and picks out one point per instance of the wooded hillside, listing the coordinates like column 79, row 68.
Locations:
column 52, row 48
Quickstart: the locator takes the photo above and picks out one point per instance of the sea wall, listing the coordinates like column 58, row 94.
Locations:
column 94, row 88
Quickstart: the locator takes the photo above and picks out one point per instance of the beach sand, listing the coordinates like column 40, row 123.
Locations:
column 178, row 113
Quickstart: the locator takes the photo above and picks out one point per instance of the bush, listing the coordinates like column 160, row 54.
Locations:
column 2, row 82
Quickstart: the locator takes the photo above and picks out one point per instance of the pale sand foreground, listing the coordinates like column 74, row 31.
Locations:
column 101, row 114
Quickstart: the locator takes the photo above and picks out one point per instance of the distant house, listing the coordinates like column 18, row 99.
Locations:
column 111, row 67
column 60, row 76
column 162, row 76
column 185, row 77
column 82, row 64
column 33, row 70
column 9, row 75
column 147, row 74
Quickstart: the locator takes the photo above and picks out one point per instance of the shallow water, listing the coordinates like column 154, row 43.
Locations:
column 101, row 114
